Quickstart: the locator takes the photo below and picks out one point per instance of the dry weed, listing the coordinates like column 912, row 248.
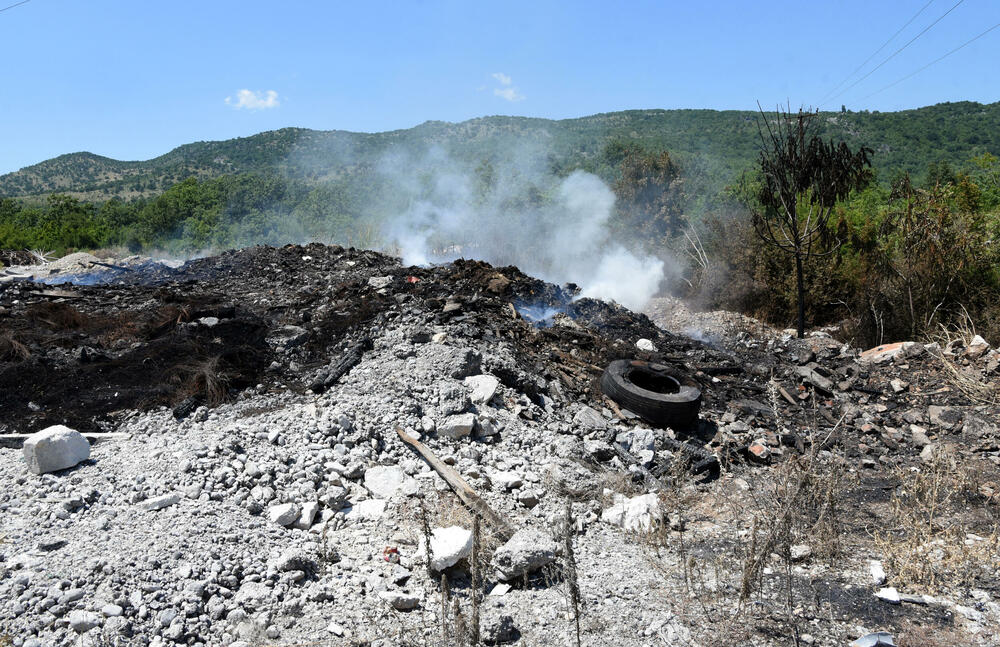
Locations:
column 56, row 316
column 206, row 380
column 929, row 545
column 120, row 327
column 41, row 257
column 967, row 379
column 915, row 635
column 11, row 349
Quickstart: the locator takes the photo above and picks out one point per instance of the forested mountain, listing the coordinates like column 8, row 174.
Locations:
column 725, row 141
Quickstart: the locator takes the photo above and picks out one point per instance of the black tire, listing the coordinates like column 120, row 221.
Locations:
column 654, row 392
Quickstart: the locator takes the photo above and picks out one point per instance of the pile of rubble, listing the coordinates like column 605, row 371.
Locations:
column 291, row 446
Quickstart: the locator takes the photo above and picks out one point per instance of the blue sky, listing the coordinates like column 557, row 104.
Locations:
column 134, row 79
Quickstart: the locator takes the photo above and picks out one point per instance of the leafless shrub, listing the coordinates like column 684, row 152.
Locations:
column 570, row 574
column 41, row 257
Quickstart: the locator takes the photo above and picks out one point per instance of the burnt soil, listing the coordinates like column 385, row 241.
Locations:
column 80, row 354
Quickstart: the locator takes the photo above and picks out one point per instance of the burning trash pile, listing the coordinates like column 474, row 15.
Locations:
column 317, row 444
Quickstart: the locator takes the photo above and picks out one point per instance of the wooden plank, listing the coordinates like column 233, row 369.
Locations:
column 16, row 441
column 58, row 294
column 461, row 488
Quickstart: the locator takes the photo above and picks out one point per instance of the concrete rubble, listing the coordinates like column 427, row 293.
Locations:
column 251, row 509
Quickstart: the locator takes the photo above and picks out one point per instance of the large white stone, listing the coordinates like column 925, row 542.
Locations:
column 449, row 546
column 458, row 426
column 527, row 551
column 587, row 419
column 55, row 448
column 283, row 514
column 637, row 513
column 383, row 481
column 484, row 387
column 508, row 480
column 306, row 516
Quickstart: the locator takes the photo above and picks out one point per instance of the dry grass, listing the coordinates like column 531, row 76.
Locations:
column 56, row 316
column 444, row 510
column 915, row 635
column 930, row 545
column 120, row 327
column 967, row 379
column 11, row 349
column 205, row 379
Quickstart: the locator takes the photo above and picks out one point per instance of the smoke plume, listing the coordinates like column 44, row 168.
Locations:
column 516, row 212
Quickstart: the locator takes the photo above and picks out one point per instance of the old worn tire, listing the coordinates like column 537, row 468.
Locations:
column 653, row 392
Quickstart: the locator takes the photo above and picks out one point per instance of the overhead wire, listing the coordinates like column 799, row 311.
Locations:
column 873, row 54
column 912, row 74
column 16, row 4
column 893, row 55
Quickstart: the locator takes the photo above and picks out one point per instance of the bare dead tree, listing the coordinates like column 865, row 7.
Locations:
column 801, row 179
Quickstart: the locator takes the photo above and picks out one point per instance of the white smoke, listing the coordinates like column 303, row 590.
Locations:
column 553, row 228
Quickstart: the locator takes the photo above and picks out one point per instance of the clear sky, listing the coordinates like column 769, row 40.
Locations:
column 132, row 79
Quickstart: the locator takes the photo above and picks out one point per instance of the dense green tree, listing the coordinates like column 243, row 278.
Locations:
column 650, row 192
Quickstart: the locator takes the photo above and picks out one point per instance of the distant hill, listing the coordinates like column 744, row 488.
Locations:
column 724, row 141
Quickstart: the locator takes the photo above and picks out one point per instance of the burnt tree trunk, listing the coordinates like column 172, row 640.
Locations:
column 801, row 288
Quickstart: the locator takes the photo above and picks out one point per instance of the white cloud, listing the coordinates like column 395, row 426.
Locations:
column 510, row 94
column 507, row 91
column 254, row 100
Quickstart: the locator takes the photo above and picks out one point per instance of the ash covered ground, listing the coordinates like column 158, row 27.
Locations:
column 257, row 490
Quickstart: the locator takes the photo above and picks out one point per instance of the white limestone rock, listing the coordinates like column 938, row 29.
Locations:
column 160, row 502
column 526, row 552
column 638, row 513
column 457, row 426
column 449, row 546
column 484, row 387
column 55, row 448
column 283, row 514
column 383, row 481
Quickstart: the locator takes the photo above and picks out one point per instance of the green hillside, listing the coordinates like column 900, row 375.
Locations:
column 726, row 140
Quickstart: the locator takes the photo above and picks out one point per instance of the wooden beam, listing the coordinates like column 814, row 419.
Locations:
column 461, row 488
column 16, row 441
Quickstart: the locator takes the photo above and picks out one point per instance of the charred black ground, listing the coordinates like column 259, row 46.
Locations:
column 149, row 336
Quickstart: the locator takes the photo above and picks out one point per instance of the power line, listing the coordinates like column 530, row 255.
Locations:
column 16, row 4
column 873, row 54
column 968, row 42
column 893, row 55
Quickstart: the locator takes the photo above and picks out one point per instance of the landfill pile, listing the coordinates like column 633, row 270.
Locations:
column 317, row 445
